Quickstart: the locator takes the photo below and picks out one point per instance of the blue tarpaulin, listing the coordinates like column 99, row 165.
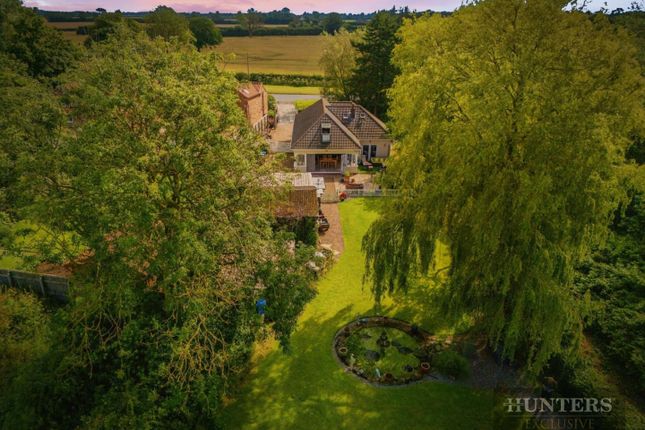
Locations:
column 260, row 306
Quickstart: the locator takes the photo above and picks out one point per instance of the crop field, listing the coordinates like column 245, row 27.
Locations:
column 266, row 54
column 235, row 24
column 72, row 36
column 69, row 25
column 273, row 54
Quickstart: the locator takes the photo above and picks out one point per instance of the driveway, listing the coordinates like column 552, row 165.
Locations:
column 280, row 139
column 286, row 112
column 290, row 98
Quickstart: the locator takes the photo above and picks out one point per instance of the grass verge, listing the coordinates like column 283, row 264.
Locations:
column 285, row 89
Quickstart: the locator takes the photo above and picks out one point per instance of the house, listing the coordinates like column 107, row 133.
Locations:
column 304, row 196
column 254, row 101
column 331, row 137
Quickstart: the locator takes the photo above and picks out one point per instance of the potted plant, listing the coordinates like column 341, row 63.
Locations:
column 424, row 367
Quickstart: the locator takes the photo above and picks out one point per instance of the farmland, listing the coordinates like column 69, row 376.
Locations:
column 266, row 54
column 69, row 25
column 273, row 54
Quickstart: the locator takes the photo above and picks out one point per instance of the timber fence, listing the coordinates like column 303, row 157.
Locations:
column 50, row 286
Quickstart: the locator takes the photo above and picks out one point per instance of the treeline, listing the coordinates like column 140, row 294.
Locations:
column 276, row 17
column 238, row 31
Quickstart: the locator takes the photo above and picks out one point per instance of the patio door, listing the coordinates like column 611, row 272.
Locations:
column 328, row 162
column 369, row 151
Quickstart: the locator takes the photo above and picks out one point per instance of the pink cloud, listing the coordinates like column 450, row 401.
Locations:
column 235, row 5
column 267, row 5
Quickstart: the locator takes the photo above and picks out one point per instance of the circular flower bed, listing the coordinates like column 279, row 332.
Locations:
column 385, row 350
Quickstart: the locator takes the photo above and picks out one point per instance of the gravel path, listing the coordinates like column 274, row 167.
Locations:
column 333, row 236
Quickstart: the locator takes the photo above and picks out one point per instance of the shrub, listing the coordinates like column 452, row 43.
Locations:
column 452, row 364
column 272, row 31
column 306, row 231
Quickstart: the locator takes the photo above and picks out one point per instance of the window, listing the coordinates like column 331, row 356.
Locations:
column 369, row 151
column 300, row 159
column 326, row 132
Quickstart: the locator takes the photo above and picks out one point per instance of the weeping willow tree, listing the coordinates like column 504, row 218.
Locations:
column 511, row 118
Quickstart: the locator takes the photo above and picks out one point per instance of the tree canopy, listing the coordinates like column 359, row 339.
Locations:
column 155, row 170
column 508, row 146
column 165, row 22
column 338, row 61
column 205, row 32
column 106, row 24
column 332, row 23
column 250, row 21
column 375, row 72
column 24, row 36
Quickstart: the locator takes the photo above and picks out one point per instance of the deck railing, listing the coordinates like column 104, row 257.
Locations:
column 372, row 193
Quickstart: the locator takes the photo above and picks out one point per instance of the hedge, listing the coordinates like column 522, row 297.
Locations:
column 279, row 79
column 272, row 31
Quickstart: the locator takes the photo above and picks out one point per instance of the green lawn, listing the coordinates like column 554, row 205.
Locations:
column 307, row 389
column 30, row 238
column 286, row 89
column 304, row 104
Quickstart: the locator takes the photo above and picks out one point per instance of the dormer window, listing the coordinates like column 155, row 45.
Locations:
column 326, row 132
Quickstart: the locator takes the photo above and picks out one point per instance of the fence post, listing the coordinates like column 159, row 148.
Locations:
column 42, row 286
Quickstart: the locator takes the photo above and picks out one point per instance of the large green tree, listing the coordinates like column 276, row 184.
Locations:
column 25, row 37
column 338, row 61
column 250, row 21
column 106, row 24
column 29, row 118
column 159, row 175
column 375, row 72
column 165, row 22
column 332, row 23
column 508, row 145
column 205, row 32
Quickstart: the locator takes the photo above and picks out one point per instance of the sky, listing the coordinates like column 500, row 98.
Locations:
column 267, row 5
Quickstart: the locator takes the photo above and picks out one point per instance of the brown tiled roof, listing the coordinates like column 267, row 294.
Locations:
column 363, row 124
column 302, row 202
column 346, row 131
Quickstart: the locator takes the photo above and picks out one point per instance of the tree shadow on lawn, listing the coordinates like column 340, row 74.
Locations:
column 307, row 388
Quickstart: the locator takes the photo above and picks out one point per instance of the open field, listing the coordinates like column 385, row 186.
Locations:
column 72, row 36
column 307, row 389
column 274, row 54
column 69, row 25
column 286, row 89
column 233, row 25
column 266, row 54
